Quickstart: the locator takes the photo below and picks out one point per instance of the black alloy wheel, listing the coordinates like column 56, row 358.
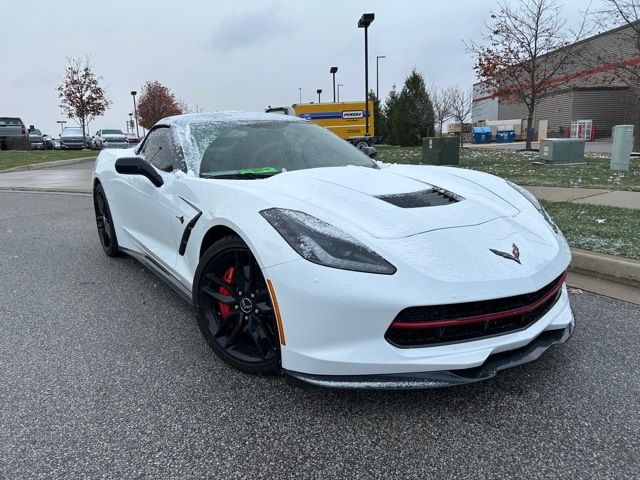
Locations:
column 104, row 221
column 235, row 314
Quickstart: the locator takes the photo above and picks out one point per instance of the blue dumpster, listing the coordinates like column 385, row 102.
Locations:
column 505, row 134
column 481, row 134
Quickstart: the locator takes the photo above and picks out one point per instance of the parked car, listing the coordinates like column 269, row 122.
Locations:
column 48, row 141
column 72, row 138
column 36, row 139
column 56, row 144
column 132, row 138
column 13, row 134
column 303, row 256
column 110, row 138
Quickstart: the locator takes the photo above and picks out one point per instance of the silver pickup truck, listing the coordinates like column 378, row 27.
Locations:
column 13, row 133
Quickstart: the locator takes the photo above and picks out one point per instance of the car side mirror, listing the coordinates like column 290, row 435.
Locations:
column 369, row 151
column 138, row 166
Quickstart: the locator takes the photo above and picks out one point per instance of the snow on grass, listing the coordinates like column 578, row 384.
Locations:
column 520, row 168
column 598, row 228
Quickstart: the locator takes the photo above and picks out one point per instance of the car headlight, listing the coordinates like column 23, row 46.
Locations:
column 534, row 201
column 324, row 244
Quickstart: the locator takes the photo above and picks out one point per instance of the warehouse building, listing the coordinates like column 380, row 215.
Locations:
column 587, row 90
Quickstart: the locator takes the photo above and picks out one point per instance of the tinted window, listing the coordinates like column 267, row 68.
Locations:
column 10, row 121
column 160, row 150
column 112, row 132
column 276, row 146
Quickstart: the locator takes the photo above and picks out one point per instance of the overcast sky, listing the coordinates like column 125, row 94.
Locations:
column 229, row 54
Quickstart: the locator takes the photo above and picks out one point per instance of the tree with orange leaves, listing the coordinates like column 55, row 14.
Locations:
column 156, row 102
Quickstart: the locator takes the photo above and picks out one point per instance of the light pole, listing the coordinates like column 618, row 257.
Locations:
column 333, row 71
column 378, row 75
column 364, row 22
column 135, row 111
column 300, row 91
column 319, row 91
column 339, row 85
column 61, row 122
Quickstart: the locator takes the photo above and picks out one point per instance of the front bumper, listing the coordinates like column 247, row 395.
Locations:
column 443, row 378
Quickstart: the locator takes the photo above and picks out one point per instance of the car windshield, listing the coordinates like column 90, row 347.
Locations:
column 72, row 131
column 265, row 148
column 112, row 132
column 35, row 132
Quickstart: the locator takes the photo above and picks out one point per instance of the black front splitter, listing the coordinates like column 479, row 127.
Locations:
column 443, row 378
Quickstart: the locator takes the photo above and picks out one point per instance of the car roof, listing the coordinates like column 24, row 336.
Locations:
column 226, row 117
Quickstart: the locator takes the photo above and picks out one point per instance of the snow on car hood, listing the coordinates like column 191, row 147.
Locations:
column 347, row 197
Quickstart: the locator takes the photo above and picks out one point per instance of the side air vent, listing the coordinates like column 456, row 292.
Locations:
column 433, row 197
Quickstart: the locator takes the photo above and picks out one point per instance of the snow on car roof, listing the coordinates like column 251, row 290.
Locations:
column 226, row 117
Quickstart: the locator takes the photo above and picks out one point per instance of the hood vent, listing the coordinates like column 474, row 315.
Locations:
column 433, row 197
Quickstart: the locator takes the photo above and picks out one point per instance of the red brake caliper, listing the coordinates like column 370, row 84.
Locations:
column 229, row 277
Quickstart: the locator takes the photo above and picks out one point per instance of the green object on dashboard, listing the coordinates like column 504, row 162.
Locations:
column 259, row 170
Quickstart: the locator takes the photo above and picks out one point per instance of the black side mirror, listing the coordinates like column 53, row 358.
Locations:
column 137, row 166
column 369, row 151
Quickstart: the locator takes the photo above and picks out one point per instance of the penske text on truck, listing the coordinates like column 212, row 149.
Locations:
column 345, row 119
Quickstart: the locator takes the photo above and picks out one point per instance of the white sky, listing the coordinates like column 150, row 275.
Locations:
column 229, row 54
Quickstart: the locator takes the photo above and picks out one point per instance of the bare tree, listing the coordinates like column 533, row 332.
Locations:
column 625, row 71
column 441, row 101
column 461, row 103
column 81, row 96
column 185, row 106
column 527, row 52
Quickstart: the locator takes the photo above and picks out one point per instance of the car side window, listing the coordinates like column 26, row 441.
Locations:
column 160, row 150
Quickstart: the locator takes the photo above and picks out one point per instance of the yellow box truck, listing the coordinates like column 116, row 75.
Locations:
column 345, row 119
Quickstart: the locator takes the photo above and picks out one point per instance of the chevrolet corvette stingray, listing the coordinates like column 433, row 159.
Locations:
column 302, row 255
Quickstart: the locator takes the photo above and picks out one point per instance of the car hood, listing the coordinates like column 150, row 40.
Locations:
column 350, row 198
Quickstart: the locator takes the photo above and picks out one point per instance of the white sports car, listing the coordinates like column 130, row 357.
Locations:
column 304, row 256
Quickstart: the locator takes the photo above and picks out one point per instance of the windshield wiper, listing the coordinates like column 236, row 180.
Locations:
column 245, row 174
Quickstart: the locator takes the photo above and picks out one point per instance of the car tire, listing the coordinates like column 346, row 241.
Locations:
column 245, row 338
column 360, row 144
column 104, row 222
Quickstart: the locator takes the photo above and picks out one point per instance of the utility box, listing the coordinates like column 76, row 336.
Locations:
column 562, row 151
column 622, row 147
column 441, row 151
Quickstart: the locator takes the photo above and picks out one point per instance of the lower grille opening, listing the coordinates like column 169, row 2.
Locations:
column 442, row 324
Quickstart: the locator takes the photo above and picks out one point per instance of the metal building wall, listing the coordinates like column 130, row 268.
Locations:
column 605, row 106
column 580, row 99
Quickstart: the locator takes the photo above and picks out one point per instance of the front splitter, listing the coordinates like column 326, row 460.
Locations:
column 442, row 378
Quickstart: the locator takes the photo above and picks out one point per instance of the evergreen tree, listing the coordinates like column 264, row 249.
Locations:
column 389, row 109
column 379, row 122
column 413, row 116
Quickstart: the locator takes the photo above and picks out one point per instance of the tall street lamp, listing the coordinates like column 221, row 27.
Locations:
column 364, row 22
column 333, row 71
column 61, row 122
column 339, row 85
column 378, row 75
column 319, row 91
column 135, row 111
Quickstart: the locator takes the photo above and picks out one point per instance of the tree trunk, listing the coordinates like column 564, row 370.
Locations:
column 84, row 135
column 529, row 131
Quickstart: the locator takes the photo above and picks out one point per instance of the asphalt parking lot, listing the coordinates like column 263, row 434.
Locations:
column 104, row 374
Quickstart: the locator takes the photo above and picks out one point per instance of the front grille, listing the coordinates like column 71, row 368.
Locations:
column 441, row 324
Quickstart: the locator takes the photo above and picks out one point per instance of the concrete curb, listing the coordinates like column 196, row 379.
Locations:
column 53, row 163
column 620, row 269
column 53, row 191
